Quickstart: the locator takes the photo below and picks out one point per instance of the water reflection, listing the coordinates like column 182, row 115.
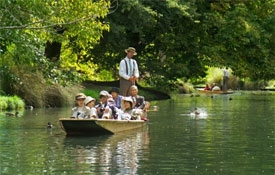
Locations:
column 236, row 137
column 116, row 154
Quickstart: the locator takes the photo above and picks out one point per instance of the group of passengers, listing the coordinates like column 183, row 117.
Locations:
column 213, row 87
column 111, row 105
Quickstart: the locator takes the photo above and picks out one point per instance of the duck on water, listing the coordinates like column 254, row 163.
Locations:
column 10, row 114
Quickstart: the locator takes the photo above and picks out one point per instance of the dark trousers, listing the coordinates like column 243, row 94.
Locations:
column 125, row 86
column 225, row 83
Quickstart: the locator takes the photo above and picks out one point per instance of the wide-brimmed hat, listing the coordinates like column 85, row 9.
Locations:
column 129, row 99
column 114, row 89
column 131, row 49
column 80, row 96
column 88, row 100
column 103, row 93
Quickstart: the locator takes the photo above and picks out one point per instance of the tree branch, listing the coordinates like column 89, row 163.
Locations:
column 29, row 26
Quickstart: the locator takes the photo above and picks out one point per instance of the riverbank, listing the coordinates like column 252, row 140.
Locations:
column 93, row 88
column 58, row 96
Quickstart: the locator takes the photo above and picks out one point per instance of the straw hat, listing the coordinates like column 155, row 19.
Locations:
column 80, row 96
column 129, row 99
column 131, row 49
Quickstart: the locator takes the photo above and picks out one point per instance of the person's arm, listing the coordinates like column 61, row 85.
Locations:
column 122, row 70
column 87, row 112
column 74, row 112
column 136, row 71
column 147, row 105
column 99, row 109
column 93, row 113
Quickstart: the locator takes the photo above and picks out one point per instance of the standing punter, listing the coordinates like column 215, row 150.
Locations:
column 128, row 71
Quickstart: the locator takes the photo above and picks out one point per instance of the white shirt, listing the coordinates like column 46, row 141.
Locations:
column 225, row 73
column 123, row 71
column 93, row 113
column 80, row 112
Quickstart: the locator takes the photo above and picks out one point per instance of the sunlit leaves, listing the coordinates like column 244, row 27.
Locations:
column 174, row 38
column 28, row 25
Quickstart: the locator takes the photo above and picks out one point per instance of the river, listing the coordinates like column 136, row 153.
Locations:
column 233, row 134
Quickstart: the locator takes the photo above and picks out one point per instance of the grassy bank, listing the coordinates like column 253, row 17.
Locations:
column 57, row 96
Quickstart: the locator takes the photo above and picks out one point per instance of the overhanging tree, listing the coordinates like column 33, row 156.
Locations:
column 26, row 27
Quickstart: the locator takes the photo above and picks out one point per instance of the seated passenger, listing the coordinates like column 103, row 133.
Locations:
column 207, row 87
column 111, row 110
column 80, row 110
column 100, row 107
column 140, row 102
column 127, row 110
column 117, row 98
column 104, row 109
column 90, row 102
column 215, row 87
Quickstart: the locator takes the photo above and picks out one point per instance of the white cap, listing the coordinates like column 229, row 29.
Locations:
column 88, row 100
column 104, row 93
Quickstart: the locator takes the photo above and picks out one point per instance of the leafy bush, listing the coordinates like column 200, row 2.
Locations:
column 10, row 103
column 3, row 104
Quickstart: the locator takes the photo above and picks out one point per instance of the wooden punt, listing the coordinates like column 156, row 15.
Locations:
column 215, row 92
column 95, row 127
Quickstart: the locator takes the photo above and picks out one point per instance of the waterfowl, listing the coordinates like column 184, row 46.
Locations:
column 196, row 112
column 49, row 125
column 10, row 114
column 29, row 107
column 197, row 95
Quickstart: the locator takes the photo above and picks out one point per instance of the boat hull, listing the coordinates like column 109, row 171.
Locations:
column 95, row 127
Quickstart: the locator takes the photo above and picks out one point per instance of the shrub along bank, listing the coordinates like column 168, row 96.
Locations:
column 11, row 103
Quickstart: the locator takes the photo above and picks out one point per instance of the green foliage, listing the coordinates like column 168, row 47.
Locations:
column 185, row 87
column 92, row 92
column 238, row 35
column 174, row 39
column 27, row 25
column 11, row 103
column 214, row 75
column 167, row 49
column 3, row 104
column 247, row 84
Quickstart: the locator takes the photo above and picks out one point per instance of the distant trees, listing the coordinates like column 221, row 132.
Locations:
column 67, row 40
column 240, row 34
column 177, row 39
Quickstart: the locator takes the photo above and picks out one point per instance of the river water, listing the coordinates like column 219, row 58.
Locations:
column 234, row 134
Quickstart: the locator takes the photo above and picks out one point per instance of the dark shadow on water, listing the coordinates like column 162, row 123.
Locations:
column 73, row 141
column 84, row 141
